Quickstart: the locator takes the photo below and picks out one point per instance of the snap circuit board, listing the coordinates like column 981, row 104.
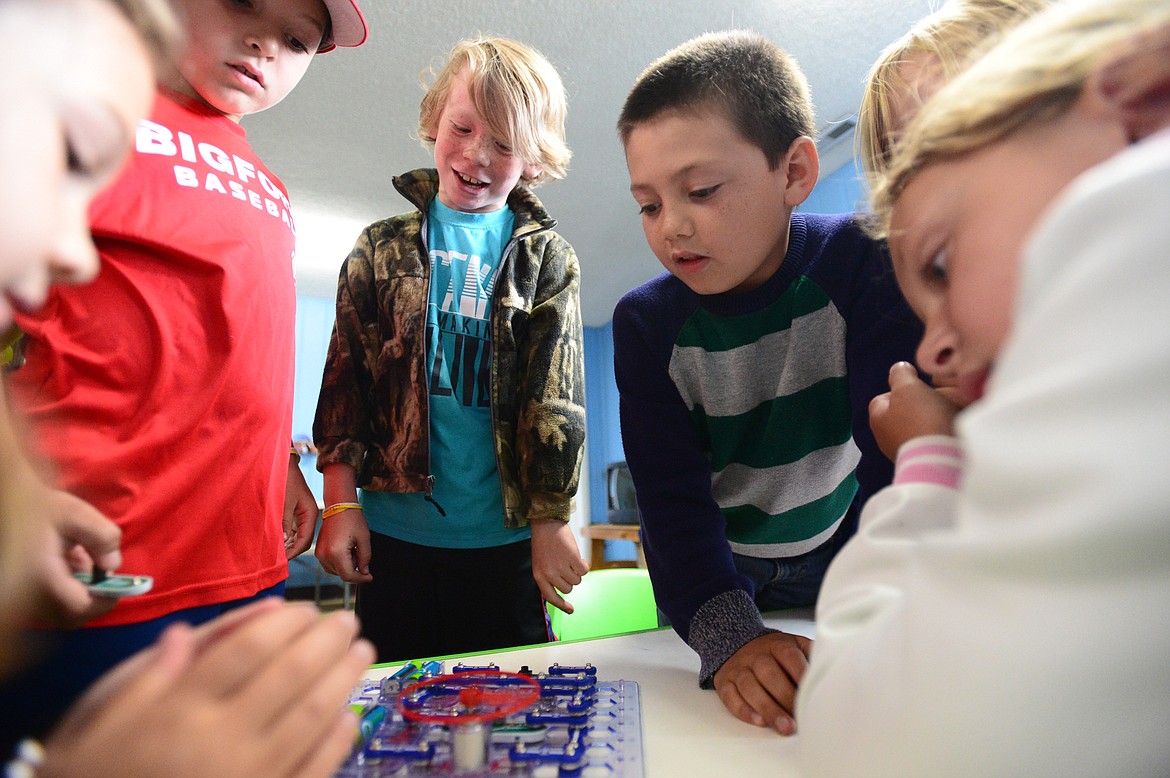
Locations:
column 479, row 721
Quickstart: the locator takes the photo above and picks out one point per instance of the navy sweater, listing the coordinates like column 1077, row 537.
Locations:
column 745, row 419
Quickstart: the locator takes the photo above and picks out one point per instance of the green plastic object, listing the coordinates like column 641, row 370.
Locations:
column 612, row 601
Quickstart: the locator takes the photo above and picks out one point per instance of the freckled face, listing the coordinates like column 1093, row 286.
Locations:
column 243, row 56
column 78, row 110
column 477, row 171
column 959, row 230
column 713, row 212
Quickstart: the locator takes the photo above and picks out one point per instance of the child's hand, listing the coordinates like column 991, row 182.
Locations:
column 255, row 693
column 557, row 565
column 300, row 512
column 70, row 535
column 910, row 409
column 343, row 546
column 758, row 683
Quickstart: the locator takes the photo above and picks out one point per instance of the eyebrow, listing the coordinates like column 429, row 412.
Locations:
column 894, row 240
column 924, row 221
column 317, row 25
column 676, row 176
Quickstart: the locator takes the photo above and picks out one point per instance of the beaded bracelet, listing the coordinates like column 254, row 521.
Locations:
column 339, row 507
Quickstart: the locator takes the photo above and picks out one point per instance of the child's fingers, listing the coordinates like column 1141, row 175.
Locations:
column 354, row 570
column 773, row 695
column 299, row 666
column 211, row 631
column 336, row 559
column 953, row 396
column 117, row 700
column 233, row 658
column 362, row 554
column 903, row 374
column 791, row 656
column 553, row 597
column 733, row 699
column 80, row 523
column 758, row 701
column 565, row 580
column 70, row 603
column 327, row 753
column 301, row 724
column 345, row 554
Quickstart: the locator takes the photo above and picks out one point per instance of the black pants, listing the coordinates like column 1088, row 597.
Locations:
column 426, row 602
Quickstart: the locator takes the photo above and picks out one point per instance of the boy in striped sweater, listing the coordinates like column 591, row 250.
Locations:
column 746, row 370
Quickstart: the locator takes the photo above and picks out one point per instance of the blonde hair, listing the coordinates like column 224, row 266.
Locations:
column 157, row 26
column 1034, row 75
column 947, row 40
column 516, row 91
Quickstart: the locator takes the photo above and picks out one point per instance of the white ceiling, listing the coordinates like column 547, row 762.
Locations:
column 340, row 136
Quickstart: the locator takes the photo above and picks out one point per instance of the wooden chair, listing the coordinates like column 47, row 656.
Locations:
column 599, row 533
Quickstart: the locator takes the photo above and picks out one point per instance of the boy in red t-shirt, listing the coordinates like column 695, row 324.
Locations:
column 162, row 392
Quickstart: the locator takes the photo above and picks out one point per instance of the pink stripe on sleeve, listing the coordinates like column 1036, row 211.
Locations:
column 935, row 459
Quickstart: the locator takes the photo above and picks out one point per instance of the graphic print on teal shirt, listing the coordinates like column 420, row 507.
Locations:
column 768, row 393
column 465, row 251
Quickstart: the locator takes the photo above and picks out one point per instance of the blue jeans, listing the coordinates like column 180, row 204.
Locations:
column 69, row 661
column 789, row 582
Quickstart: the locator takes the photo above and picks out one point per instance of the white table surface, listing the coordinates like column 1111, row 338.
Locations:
column 686, row 731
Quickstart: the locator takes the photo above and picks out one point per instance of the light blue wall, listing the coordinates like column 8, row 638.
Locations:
column 601, row 403
column 841, row 191
column 314, row 325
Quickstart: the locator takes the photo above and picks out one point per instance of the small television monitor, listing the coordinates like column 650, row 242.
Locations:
column 622, row 501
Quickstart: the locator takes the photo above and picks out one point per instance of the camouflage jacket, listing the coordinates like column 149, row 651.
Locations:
column 373, row 410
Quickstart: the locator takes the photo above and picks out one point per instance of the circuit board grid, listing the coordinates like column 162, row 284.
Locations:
column 578, row 726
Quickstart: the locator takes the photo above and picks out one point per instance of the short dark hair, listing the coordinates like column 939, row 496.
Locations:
column 758, row 84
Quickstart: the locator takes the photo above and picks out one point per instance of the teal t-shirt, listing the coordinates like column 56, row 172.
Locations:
column 465, row 251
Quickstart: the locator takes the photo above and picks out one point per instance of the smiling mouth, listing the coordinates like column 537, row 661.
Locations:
column 474, row 183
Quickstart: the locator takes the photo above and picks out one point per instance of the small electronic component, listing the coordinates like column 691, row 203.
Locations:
column 103, row 584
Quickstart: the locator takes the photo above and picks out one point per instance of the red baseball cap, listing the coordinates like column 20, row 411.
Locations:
column 349, row 25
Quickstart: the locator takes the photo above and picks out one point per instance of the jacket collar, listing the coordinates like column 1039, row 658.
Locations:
column 421, row 186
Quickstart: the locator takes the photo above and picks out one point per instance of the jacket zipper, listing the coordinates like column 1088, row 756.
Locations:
column 430, row 497
column 428, row 493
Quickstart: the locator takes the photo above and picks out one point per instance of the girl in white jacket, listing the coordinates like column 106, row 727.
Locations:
column 1011, row 615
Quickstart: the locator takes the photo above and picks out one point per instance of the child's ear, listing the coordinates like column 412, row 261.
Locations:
column 532, row 172
column 1134, row 83
column 802, row 165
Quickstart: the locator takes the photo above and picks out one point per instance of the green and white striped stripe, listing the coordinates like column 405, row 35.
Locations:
column 769, row 396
